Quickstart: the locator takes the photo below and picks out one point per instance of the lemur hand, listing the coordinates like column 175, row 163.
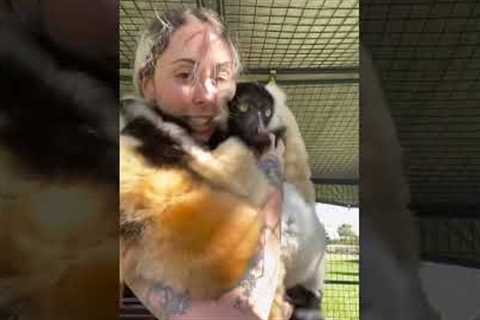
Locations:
column 271, row 162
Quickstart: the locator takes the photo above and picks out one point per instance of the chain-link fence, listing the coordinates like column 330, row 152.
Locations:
column 342, row 286
column 341, row 299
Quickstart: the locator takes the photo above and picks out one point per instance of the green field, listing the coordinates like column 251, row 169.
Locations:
column 341, row 299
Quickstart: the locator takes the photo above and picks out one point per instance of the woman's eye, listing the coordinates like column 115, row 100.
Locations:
column 268, row 113
column 222, row 76
column 183, row 75
column 243, row 108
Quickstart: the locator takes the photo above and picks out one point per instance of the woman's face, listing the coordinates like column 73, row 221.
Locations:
column 194, row 78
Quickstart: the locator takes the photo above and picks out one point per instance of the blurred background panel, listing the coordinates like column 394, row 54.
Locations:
column 58, row 160
column 428, row 55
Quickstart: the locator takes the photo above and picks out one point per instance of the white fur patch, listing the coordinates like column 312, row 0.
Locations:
column 279, row 99
column 138, row 108
column 297, row 166
column 279, row 95
column 131, row 141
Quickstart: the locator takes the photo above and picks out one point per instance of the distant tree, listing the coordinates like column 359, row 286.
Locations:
column 327, row 237
column 346, row 234
column 345, row 231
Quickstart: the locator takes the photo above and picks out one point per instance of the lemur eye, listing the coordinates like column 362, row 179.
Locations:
column 243, row 107
column 268, row 113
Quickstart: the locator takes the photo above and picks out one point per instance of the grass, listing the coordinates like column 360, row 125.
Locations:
column 341, row 301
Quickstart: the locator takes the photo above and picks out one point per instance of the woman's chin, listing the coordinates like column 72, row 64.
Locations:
column 204, row 135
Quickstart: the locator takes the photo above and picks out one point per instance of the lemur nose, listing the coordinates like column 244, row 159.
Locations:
column 261, row 124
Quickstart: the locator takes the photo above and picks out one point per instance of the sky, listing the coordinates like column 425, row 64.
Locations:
column 334, row 216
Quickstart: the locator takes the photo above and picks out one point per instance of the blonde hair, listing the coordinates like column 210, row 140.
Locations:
column 155, row 39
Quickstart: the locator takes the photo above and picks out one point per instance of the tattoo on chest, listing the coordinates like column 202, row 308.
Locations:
column 167, row 301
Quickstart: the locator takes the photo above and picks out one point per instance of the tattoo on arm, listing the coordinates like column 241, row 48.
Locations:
column 164, row 300
column 247, row 285
column 271, row 167
column 256, row 270
column 275, row 230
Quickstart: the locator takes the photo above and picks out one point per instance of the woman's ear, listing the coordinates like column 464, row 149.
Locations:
column 148, row 89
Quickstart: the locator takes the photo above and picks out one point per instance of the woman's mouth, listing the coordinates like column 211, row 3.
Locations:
column 200, row 123
column 205, row 131
column 202, row 127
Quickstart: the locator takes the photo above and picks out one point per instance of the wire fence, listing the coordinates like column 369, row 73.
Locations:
column 451, row 240
column 341, row 296
column 429, row 57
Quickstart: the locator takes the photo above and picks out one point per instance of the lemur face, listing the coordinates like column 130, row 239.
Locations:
column 251, row 110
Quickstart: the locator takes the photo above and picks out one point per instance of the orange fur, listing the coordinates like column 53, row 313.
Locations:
column 188, row 221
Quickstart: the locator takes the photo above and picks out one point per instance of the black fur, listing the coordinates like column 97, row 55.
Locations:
column 307, row 305
column 58, row 122
column 157, row 147
column 131, row 230
column 250, row 124
column 250, row 112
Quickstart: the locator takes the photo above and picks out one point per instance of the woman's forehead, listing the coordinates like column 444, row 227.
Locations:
column 194, row 28
column 196, row 40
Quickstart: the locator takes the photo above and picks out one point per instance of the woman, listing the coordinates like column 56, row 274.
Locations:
column 186, row 66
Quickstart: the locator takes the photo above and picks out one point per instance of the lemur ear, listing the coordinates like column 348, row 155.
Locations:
column 280, row 97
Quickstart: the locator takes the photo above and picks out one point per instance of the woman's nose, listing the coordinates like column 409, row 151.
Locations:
column 204, row 92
